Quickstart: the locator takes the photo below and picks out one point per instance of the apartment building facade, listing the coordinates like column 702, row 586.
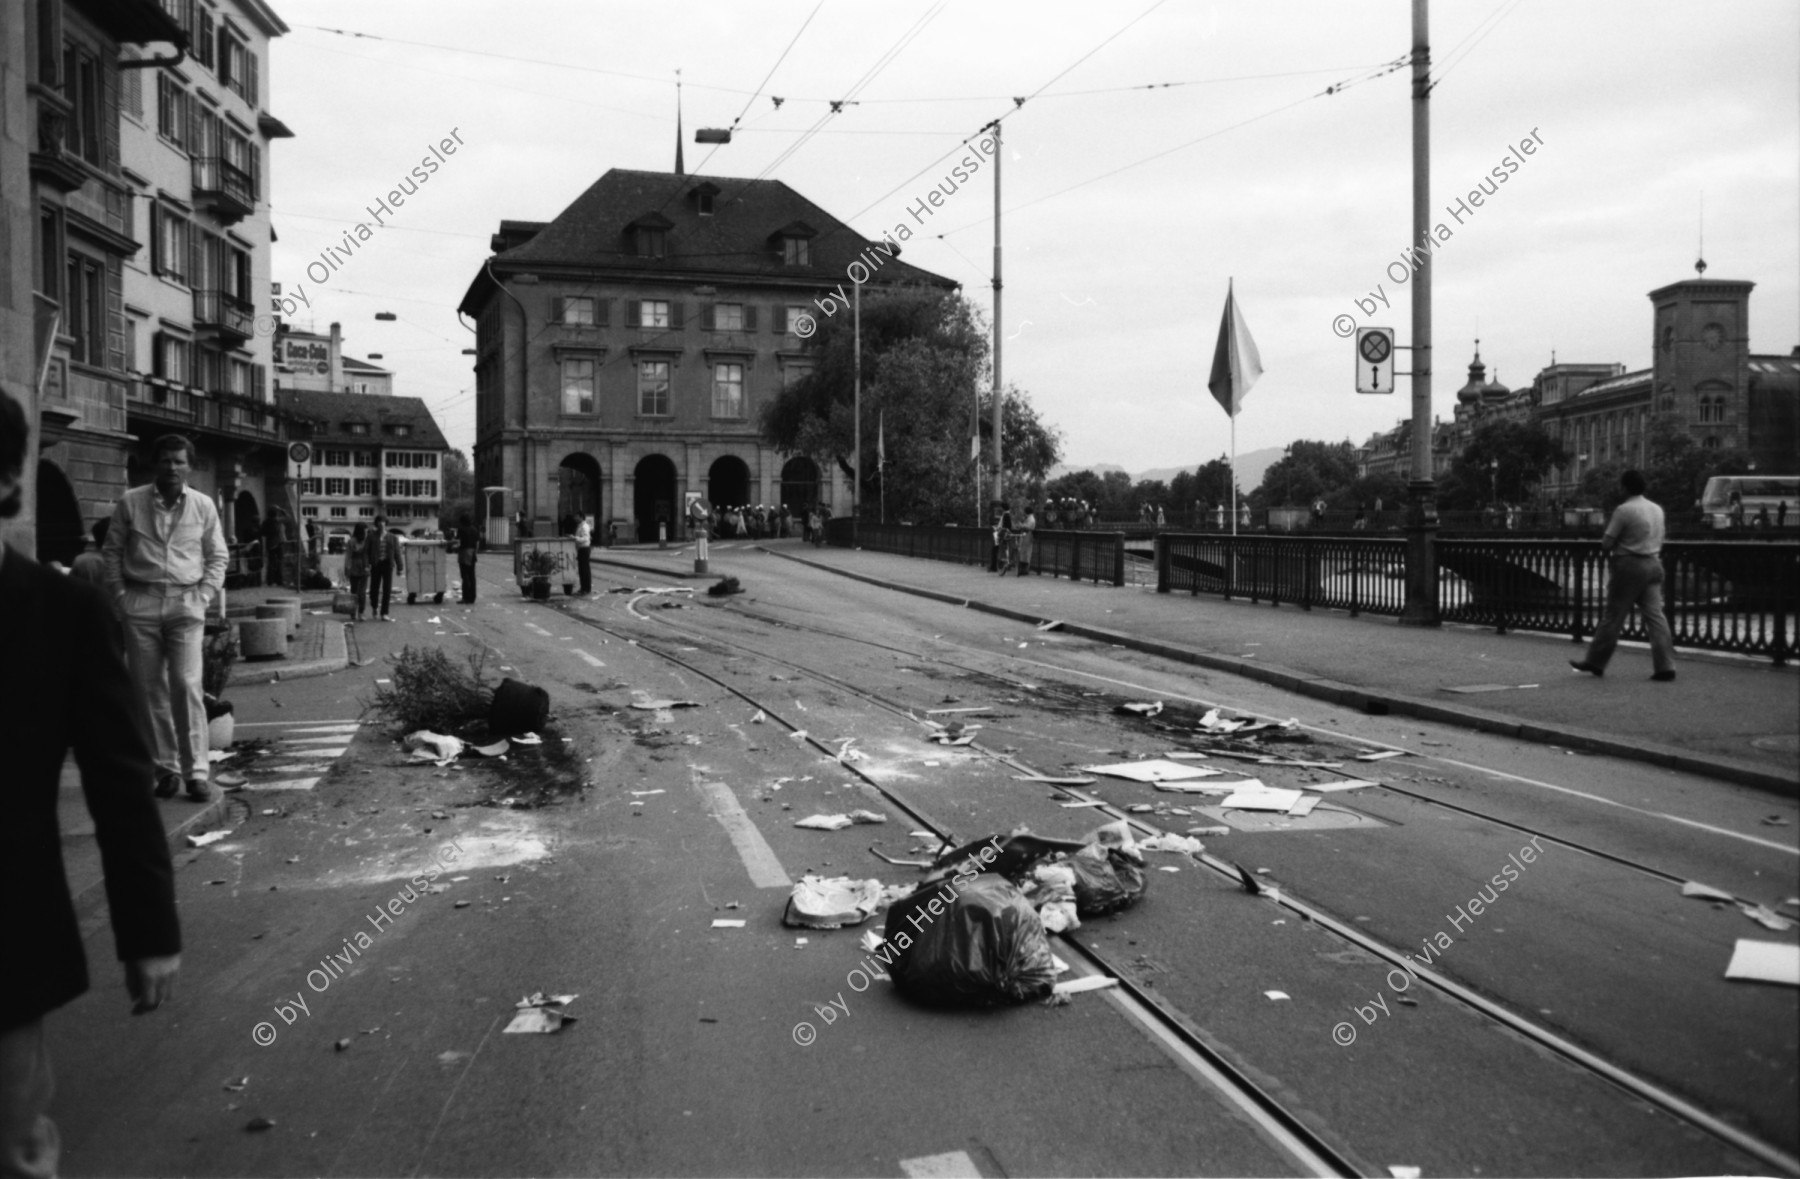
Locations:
column 624, row 349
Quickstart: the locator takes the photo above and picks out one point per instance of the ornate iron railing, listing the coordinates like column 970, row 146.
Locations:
column 1078, row 556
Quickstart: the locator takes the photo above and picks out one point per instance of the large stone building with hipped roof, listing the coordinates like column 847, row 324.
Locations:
column 624, row 349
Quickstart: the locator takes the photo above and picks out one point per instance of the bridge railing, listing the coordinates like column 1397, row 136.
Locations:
column 1718, row 595
column 1078, row 556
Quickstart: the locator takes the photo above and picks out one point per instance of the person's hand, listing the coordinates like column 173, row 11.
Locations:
column 150, row 981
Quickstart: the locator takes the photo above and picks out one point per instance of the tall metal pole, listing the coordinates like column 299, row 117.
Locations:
column 856, row 401
column 999, row 469
column 1421, row 607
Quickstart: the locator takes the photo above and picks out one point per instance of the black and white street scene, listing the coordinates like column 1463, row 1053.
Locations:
column 921, row 589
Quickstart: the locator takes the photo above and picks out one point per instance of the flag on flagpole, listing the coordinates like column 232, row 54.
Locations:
column 881, row 440
column 1236, row 364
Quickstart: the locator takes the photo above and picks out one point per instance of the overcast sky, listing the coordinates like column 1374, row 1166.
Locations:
column 1113, row 288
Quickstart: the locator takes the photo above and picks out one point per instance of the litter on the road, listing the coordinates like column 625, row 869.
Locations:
column 1263, row 798
column 1381, row 755
column 830, row 903
column 1187, row 755
column 759, row 718
column 237, row 1085
column 540, row 1013
column 1171, row 843
column 427, row 746
column 1199, row 787
column 647, row 705
column 1209, row 831
column 1771, row 962
column 1766, row 917
column 867, row 817
column 973, row 708
column 230, row 781
column 528, row 739
column 637, row 792
column 1050, row 781
column 1333, row 787
column 1303, row 807
column 1153, row 769
column 825, row 822
column 1145, row 709
column 1049, row 624
column 260, row 1124
column 1706, row 892
column 1091, row 982
column 979, row 943
column 209, row 837
column 728, row 923
column 1276, row 996
column 870, row 941
column 494, row 750
column 1090, row 802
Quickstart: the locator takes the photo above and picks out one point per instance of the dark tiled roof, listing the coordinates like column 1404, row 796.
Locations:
column 741, row 237
column 329, row 411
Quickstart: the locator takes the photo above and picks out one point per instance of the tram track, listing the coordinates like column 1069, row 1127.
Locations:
column 1311, row 1150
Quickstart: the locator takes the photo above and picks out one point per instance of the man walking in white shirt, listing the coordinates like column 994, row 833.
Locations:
column 1634, row 540
column 165, row 560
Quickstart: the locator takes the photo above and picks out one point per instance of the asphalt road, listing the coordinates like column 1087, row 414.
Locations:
column 597, row 864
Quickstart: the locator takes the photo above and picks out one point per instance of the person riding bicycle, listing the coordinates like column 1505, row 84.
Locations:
column 1006, row 539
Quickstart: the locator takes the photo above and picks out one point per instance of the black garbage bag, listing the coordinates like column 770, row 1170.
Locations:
column 1107, row 885
column 982, row 945
column 518, row 708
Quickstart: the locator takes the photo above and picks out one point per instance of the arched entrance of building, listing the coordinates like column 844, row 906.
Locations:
column 580, row 489
column 800, row 484
column 654, row 498
column 61, row 534
column 728, row 483
column 246, row 517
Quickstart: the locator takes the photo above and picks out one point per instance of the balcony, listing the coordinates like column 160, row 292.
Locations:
column 224, row 188
column 233, row 318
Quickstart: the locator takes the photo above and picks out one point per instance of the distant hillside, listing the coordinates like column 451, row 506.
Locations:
column 1250, row 465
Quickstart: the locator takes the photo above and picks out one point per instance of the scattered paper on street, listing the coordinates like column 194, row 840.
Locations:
column 1153, row 769
column 1091, row 982
column 1706, row 892
column 1382, row 755
column 825, row 822
column 1772, row 962
column 1263, row 799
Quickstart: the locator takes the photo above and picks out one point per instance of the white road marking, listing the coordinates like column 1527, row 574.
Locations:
column 585, row 657
column 955, row 1165
column 759, row 858
column 283, row 784
column 536, row 627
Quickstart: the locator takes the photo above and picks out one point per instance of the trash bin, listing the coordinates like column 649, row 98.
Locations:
column 427, row 570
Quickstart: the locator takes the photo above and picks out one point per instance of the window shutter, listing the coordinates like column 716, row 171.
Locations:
column 162, row 103
column 203, row 48
column 778, row 319
column 115, row 313
column 749, row 317
column 196, row 266
column 158, row 355
column 224, row 55
column 156, row 236
column 109, row 118
column 556, row 309
column 708, row 317
column 675, row 313
column 256, row 190
column 600, row 315
column 633, row 313
column 251, row 93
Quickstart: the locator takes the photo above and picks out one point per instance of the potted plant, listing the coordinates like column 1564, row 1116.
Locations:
column 218, row 652
column 540, row 565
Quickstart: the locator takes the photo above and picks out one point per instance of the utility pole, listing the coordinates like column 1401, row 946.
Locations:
column 999, row 470
column 1421, row 608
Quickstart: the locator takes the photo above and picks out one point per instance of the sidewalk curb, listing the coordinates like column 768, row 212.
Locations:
column 336, row 658
column 1374, row 702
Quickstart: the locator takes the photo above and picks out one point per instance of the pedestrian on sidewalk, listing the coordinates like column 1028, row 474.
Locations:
column 165, row 565
column 1027, row 526
column 1634, row 540
column 356, row 568
column 58, row 640
column 584, row 552
column 466, row 542
column 387, row 558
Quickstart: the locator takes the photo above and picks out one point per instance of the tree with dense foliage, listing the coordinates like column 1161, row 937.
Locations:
column 924, row 354
column 458, row 488
column 1503, row 461
column 1308, row 471
column 1676, row 467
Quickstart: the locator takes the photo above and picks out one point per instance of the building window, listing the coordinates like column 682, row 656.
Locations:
column 653, row 313
column 728, row 391
column 728, row 317
column 356, row 428
column 794, row 313
column 339, row 513
column 81, row 84
column 652, row 242
column 653, row 388
column 363, row 458
column 174, row 111
column 578, row 386
column 796, row 251
column 237, row 67
column 172, row 360
column 309, row 512
column 366, row 512
column 84, row 310
column 313, row 486
column 202, row 46
column 1711, row 443
column 364, row 486
column 337, row 487
column 173, row 248
column 334, row 458
column 703, row 202
column 396, row 487
column 578, row 311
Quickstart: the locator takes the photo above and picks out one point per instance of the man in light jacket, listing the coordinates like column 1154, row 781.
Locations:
column 165, row 560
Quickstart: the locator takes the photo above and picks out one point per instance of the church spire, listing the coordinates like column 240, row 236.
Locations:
column 680, row 170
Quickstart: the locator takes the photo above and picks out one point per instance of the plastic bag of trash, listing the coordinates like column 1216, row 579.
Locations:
column 819, row 902
column 1107, row 879
column 428, row 746
column 969, row 941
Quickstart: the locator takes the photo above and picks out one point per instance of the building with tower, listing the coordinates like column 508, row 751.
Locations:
column 624, row 349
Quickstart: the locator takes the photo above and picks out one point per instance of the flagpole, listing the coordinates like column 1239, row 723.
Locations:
column 856, row 364
column 1234, row 474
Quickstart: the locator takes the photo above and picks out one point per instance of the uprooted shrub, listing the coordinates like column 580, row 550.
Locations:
column 427, row 690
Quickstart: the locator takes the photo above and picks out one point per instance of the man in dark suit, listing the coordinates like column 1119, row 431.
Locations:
column 67, row 687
